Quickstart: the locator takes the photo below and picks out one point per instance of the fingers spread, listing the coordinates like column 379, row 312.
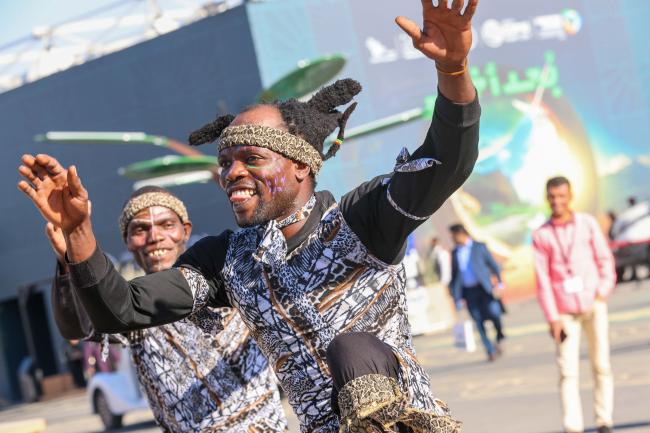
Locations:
column 50, row 164
column 27, row 189
column 28, row 174
column 470, row 9
column 428, row 4
column 28, row 160
column 457, row 5
column 411, row 29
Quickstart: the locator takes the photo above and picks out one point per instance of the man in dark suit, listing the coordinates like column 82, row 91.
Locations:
column 472, row 269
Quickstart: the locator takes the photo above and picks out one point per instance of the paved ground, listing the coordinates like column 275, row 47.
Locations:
column 519, row 393
column 516, row 394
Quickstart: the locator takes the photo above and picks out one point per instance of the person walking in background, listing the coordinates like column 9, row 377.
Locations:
column 471, row 279
column 575, row 274
column 441, row 261
column 74, row 354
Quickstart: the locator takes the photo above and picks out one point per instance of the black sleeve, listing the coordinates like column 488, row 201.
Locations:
column 69, row 315
column 115, row 305
column 384, row 211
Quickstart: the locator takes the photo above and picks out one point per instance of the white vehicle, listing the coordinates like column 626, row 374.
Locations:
column 631, row 238
column 114, row 394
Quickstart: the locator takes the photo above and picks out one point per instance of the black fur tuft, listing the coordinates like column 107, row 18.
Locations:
column 211, row 131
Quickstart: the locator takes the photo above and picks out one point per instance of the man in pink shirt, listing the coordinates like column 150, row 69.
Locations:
column 575, row 275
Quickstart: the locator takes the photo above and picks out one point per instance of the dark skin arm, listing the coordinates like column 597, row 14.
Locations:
column 113, row 304
column 383, row 224
column 62, row 200
column 446, row 38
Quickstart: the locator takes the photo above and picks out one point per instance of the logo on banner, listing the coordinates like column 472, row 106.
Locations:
column 495, row 33
column 492, row 33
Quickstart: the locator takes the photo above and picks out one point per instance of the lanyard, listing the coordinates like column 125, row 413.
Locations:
column 566, row 256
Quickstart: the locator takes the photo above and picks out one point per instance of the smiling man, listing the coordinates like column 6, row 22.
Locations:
column 198, row 377
column 575, row 274
column 320, row 284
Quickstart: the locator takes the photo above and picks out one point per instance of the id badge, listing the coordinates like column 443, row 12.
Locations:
column 573, row 285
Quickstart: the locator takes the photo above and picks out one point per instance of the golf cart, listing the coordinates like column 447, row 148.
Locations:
column 114, row 394
column 630, row 235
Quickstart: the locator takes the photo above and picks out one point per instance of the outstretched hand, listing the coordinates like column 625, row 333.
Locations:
column 56, row 192
column 446, row 35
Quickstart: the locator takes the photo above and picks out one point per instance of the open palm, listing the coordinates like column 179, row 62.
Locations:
column 56, row 192
column 446, row 34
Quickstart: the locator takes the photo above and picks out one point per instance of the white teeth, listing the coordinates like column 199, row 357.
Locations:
column 243, row 193
column 157, row 253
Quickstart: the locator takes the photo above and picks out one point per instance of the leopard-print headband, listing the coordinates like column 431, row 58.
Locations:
column 282, row 142
column 149, row 199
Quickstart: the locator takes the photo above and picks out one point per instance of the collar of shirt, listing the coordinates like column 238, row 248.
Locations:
column 571, row 220
column 324, row 199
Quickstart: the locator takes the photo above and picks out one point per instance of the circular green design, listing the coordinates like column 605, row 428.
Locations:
column 308, row 76
column 167, row 165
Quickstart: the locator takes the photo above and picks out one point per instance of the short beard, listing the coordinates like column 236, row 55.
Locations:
column 282, row 203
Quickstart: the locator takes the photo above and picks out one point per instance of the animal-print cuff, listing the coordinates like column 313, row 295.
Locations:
column 199, row 287
column 375, row 402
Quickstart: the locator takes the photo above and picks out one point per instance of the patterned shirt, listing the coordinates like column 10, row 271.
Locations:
column 201, row 374
column 341, row 272
column 200, row 379
column 296, row 303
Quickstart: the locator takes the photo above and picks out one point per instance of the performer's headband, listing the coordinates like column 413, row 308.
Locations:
column 282, row 142
column 147, row 200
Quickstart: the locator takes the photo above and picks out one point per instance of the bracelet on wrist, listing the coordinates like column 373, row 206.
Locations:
column 453, row 73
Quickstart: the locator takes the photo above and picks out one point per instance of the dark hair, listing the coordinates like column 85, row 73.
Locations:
column 458, row 228
column 313, row 120
column 557, row 181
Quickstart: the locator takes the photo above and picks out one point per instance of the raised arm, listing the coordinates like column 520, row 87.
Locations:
column 113, row 304
column 446, row 38
column 69, row 315
column 62, row 200
column 384, row 211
